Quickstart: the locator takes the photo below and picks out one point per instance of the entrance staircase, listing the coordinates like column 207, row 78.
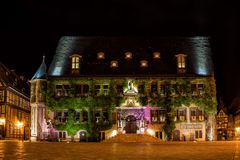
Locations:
column 144, row 138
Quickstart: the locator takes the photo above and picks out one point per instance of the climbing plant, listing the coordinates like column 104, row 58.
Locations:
column 178, row 92
column 70, row 126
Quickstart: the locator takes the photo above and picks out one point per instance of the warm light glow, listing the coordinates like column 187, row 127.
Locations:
column 181, row 60
column 156, row 55
column 114, row 64
column 100, row 55
column 114, row 133
column 131, row 87
column 2, row 120
column 237, row 129
column 150, row 132
column 19, row 124
column 144, row 63
column 128, row 55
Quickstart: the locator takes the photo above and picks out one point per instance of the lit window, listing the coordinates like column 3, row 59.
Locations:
column 143, row 63
column 75, row 61
column 128, row 55
column 100, row 55
column 114, row 64
column 181, row 61
column 156, row 55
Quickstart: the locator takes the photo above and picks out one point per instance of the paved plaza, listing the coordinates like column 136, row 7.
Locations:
column 11, row 150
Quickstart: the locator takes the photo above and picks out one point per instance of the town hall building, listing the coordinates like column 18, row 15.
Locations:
column 99, row 87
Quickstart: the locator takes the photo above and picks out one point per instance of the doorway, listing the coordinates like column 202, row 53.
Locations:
column 131, row 124
column 83, row 136
column 176, row 135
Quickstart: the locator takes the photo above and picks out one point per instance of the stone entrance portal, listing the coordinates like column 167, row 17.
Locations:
column 131, row 124
column 131, row 119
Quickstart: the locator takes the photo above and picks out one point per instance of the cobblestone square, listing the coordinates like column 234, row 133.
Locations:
column 120, row 151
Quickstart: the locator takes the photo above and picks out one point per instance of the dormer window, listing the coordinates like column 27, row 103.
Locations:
column 100, row 55
column 128, row 55
column 114, row 64
column 156, row 55
column 75, row 63
column 143, row 63
column 181, row 61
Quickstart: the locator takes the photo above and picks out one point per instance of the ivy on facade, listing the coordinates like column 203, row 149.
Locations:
column 178, row 93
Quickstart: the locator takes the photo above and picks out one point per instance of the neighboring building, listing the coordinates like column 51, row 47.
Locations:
column 234, row 120
column 98, row 87
column 14, row 105
column 222, row 125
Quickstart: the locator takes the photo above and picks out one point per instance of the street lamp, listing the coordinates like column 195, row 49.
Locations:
column 19, row 125
column 2, row 121
column 2, row 127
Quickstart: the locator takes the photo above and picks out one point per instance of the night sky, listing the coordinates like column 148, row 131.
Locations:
column 32, row 28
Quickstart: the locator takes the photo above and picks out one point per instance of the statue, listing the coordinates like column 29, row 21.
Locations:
column 130, row 85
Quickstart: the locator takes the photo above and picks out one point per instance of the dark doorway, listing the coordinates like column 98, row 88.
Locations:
column 83, row 136
column 131, row 124
column 176, row 135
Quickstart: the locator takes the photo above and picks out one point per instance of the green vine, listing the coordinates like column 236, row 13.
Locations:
column 177, row 93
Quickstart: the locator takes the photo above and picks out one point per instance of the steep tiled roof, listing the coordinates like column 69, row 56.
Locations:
column 10, row 79
column 197, row 50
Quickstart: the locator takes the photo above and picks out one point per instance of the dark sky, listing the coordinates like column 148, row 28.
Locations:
column 30, row 29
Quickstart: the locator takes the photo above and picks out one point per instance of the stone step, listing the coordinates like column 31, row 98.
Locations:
column 133, row 138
